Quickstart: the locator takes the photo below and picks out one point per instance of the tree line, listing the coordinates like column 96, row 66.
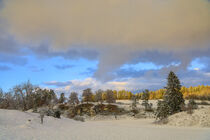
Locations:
column 26, row 96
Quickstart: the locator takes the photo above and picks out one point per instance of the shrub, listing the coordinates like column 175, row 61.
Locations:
column 162, row 111
column 57, row 114
column 193, row 104
column 79, row 118
column 147, row 106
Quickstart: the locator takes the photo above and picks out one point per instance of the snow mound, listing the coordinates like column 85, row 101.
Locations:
column 199, row 118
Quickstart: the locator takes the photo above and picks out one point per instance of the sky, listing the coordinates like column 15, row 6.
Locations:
column 70, row 45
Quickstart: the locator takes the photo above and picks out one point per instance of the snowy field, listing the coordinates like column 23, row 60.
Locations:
column 17, row 125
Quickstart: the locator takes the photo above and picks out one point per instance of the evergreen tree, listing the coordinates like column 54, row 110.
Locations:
column 145, row 98
column 173, row 99
column 173, row 96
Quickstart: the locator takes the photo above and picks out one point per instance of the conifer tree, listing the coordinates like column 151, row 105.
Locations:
column 173, row 99
column 173, row 96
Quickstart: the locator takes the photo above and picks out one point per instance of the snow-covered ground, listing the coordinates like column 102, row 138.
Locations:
column 17, row 125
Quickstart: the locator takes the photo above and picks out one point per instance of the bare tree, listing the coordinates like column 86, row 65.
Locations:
column 73, row 98
column 87, row 95
column 25, row 91
column 110, row 96
column 98, row 96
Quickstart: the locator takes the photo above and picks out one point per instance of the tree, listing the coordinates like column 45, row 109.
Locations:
column 145, row 98
column 24, row 92
column 173, row 96
column 110, row 96
column 62, row 98
column 1, row 95
column 145, row 95
column 191, row 105
column 134, row 101
column 87, row 95
column 73, row 98
column 98, row 96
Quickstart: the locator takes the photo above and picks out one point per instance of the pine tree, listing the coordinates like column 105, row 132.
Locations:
column 173, row 96
column 173, row 99
column 145, row 98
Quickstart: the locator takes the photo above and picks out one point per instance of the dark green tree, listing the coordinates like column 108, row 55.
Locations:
column 173, row 99
column 173, row 96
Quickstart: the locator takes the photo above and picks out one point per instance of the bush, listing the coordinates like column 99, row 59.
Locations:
column 147, row 106
column 79, row 118
column 193, row 104
column 162, row 111
column 57, row 114
column 82, row 109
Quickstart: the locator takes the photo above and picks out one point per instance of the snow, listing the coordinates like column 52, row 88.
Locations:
column 199, row 118
column 17, row 125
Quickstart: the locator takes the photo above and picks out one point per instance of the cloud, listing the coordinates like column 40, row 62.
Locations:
column 132, row 84
column 119, row 22
column 58, row 84
column 13, row 59
column 4, row 68
column 145, row 81
column 115, row 32
column 63, row 67
column 36, row 69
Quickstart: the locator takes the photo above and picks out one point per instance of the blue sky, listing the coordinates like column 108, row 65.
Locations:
column 118, row 45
